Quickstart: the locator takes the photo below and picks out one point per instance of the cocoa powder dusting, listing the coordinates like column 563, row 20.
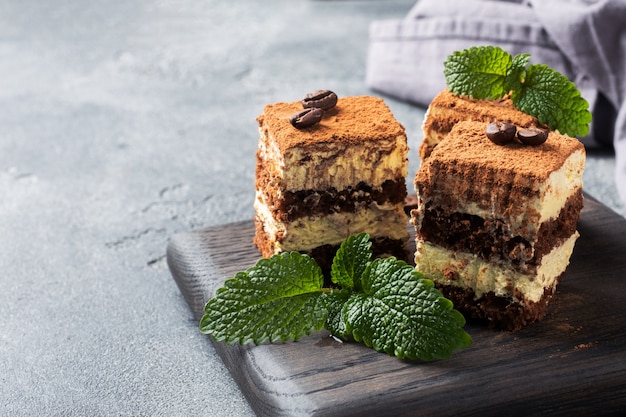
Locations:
column 353, row 120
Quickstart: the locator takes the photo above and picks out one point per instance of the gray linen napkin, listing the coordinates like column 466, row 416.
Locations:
column 583, row 39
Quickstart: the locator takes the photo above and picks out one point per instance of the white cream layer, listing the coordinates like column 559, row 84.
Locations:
column 481, row 276
column 337, row 165
column 306, row 233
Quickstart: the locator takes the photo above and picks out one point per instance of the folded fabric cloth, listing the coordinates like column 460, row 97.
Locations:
column 585, row 40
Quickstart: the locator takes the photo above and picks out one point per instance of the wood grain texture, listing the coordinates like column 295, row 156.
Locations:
column 572, row 362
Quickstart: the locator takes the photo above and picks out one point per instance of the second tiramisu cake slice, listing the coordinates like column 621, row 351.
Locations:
column 496, row 224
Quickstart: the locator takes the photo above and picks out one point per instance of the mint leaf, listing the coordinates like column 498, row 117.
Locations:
column 402, row 314
column 279, row 298
column 386, row 304
column 554, row 100
column 350, row 261
column 336, row 323
column 489, row 72
column 479, row 72
column 515, row 74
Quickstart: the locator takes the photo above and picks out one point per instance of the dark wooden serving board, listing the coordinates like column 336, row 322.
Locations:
column 571, row 363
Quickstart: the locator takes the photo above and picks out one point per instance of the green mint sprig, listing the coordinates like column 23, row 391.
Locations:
column 384, row 303
column 489, row 72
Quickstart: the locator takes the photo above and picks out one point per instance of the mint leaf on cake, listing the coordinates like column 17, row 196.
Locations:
column 554, row 100
column 489, row 72
column 478, row 73
column 385, row 303
column 515, row 74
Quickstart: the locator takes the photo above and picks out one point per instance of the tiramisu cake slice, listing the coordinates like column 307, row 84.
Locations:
column 318, row 183
column 496, row 224
column 447, row 109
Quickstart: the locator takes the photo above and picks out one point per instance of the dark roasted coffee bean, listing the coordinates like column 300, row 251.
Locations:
column 323, row 99
column 306, row 117
column 500, row 133
column 532, row 136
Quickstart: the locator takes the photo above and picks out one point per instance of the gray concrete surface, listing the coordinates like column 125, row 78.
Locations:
column 122, row 123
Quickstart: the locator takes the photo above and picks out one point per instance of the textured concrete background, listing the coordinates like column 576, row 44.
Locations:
column 122, row 123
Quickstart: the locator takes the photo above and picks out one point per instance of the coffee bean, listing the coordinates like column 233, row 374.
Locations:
column 500, row 133
column 532, row 136
column 306, row 117
column 323, row 99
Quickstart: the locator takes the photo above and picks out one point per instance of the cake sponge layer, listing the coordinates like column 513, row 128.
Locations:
column 308, row 232
column 468, row 271
column 491, row 239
